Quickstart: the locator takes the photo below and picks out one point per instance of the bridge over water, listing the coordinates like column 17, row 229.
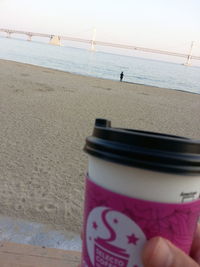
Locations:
column 56, row 40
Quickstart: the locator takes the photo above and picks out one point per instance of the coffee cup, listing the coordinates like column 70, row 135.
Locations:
column 139, row 185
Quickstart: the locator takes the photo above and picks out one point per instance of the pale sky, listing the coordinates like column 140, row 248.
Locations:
column 162, row 24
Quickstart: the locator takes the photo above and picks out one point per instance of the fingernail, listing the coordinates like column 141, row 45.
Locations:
column 157, row 253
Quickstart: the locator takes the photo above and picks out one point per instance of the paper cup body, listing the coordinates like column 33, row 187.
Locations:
column 132, row 194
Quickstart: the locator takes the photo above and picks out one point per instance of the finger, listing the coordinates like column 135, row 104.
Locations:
column 159, row 252
column 195, row 250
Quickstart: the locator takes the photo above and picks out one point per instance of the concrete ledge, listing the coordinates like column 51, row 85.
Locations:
column 37, row 234
column 20, row 255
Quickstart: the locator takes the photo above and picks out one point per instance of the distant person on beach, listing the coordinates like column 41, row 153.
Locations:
column 121, row 76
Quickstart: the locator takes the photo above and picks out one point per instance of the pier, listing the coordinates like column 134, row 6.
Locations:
column 57, row 39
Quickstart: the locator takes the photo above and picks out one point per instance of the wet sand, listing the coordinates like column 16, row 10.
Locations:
column 45, row 116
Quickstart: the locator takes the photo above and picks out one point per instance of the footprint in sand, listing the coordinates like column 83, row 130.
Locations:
column 18, row 91
column 44, row 88
column 104, row 88
column 25, row 74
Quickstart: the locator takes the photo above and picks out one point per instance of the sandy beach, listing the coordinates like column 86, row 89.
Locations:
column 45, row 116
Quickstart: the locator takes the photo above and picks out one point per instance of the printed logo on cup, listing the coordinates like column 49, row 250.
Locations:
column 109, row 243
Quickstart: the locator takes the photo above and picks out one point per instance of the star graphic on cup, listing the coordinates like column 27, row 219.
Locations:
column 115, row 220
column 132, row 239
column 95, row 226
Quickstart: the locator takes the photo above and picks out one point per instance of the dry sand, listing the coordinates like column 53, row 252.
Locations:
column 45, row 116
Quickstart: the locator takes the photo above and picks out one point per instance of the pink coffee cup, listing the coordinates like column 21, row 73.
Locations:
column 139, row 185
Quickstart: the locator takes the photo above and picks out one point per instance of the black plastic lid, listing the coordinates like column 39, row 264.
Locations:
column 148, row 150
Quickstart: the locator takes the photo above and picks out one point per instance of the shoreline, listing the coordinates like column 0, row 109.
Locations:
column 46, row 115
column 73, row 73
column 179, row 90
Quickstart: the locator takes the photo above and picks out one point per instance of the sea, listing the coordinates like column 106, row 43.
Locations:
column 102, row 64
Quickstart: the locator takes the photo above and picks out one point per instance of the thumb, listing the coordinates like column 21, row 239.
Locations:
column 159, row 252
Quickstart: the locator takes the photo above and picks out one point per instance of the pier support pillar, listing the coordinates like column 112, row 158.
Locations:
column 188, row 60
column 29, row 37
column 55, row 40
column 93, row 48
column 8, row 34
